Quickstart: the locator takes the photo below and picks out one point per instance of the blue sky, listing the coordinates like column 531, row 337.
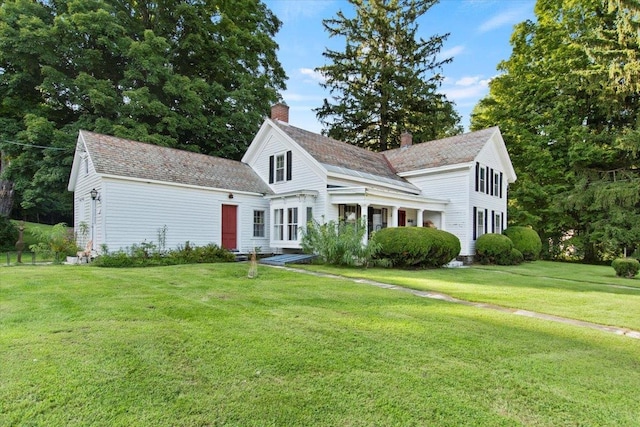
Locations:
column 479, row 39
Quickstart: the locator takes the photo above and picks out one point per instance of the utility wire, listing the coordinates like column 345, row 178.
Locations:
column 5, row 141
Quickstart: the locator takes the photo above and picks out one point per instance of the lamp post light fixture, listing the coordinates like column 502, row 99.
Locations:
column 94, row 194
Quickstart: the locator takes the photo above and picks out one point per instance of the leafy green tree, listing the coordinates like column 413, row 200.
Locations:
column 192, row 75
column 386, row 80
column 571, row 125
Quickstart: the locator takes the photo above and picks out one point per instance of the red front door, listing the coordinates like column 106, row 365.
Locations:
column 229, row 227
column 402, row 218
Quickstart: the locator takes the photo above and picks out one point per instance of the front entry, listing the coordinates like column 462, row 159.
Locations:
column 230, row 227
column 402, row 218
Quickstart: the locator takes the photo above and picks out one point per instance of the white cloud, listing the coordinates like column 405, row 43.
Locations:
column 508, row 17
column 290, row 97
column 451, row 52
column 472, row 81
column 466, row 88
column 312, row 74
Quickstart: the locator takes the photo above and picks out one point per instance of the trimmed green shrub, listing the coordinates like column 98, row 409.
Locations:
column 417, row 247
column 8, row 234
column 526, row 240
column 626, row 267
column 497, row 249
column 338, row 243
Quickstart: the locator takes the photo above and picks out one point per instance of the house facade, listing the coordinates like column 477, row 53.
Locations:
column 287, row 177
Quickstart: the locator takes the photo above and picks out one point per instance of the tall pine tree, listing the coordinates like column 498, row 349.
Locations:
column 386, row 80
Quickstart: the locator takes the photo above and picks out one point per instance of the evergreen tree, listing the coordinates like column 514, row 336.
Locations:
column 191, row 75
column 385, row 81
column 571, row 120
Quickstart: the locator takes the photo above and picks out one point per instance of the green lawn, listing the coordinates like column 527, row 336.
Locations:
column 577, row 291
column 203, row 345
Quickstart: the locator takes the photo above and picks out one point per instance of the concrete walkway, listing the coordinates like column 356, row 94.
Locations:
column 444, row 297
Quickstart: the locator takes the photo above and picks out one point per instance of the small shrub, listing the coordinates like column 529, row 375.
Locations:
column 57, row 241
column 626, row 267
column 148, row 255
column 339, row 243
column 526, row 240
column 417, row 247
column 8, row 233
column 498, row 249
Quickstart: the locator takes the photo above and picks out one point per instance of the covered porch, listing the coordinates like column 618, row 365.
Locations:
column 381, row 209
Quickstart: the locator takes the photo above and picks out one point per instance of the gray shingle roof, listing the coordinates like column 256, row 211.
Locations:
column 340, row 154
column 126, row 158
column 442, row 152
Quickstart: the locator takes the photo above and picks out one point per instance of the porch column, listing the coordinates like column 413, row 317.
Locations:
column 394, row 216
column 442, row 218
column 420, row 218
column 364, row 209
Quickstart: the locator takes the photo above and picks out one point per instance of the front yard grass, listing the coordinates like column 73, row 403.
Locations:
column 577, row 291
column 196, row 345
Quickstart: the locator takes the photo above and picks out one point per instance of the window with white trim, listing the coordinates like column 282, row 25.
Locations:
column 278, row 224
column 280, row 165
column 292, row 223
column 258, row 223
column 497, row 223
column 479, row 223
column 496, row 184
column 309, row 214
column 483, row 179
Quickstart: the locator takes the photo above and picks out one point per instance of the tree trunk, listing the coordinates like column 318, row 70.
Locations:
column 6, row 197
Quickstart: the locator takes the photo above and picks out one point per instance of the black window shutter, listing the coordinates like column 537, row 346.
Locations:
column 289, row 164
column 271, row 167
column 477, row 176
column 475, row 223
column 502, row 221
column 486, row 180
column 501, row 185
column 486, row 220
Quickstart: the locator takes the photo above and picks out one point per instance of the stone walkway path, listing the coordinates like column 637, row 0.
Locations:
column 444, row 297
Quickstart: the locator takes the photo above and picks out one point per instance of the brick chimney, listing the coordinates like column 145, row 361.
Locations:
column 406, row 139
column 280, row 112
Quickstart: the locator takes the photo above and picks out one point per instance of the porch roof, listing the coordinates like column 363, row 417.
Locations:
column 370, row 196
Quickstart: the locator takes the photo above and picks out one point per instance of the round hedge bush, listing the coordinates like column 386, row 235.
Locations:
column 416, row 247
column 497, row 249
column 626, row 267
column 526, row 240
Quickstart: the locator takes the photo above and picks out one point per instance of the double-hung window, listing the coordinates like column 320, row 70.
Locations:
column 280, row 168
column 292, row 223
column 278, row 224
column 497, row 222
column 480, row 222
column 258, row 223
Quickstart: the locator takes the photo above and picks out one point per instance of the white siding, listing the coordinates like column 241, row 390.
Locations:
column 488, row 157
column 452, row 186
column 305, row 175
column 135, row 212
column 83, row 206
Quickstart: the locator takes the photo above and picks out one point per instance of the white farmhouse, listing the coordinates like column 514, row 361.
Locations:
column 130, row 192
